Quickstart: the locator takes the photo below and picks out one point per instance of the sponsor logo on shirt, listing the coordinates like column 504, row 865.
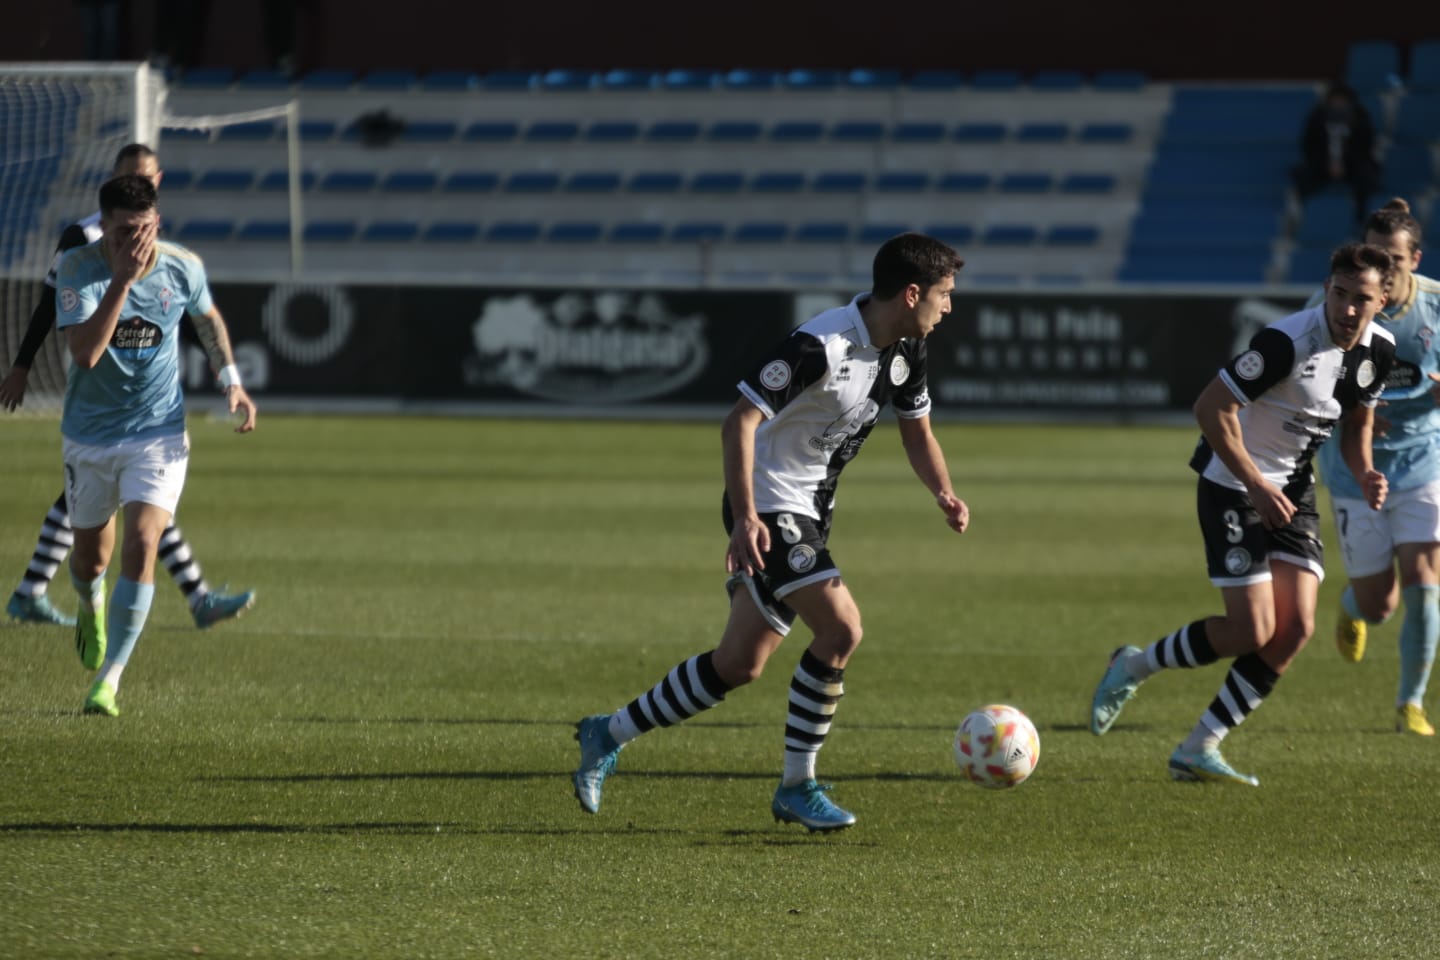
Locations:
column 136, row 334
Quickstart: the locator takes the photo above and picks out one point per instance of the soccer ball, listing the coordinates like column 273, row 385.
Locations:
column 997, row 747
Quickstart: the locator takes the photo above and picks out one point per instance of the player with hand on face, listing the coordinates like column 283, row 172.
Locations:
column 125, row 447
column 30, row 603
column 1261, row 419
column 802, row 416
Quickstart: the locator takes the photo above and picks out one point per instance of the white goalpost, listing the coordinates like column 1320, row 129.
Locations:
column 61, row 126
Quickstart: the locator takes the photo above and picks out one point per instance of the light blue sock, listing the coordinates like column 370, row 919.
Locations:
column 91, row 592
column 1352, row 609
column 1418, row 636
column 129, row 606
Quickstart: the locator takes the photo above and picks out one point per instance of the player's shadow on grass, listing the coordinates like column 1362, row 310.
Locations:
column 514, row 775
column 570, row 724
column 400, row 828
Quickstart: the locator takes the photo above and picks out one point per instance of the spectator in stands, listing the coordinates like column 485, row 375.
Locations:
column 1337, row 146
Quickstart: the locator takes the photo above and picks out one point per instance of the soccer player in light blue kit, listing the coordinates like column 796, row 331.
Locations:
column 1406, row 531
column 120, row 302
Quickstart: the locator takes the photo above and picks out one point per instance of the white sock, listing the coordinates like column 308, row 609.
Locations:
column 799, row 767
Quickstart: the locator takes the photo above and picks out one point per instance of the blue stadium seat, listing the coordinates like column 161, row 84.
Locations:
column 745, row 79
column 513, row 231
column 698, row 231
column 1106, row 133
column 1327, row 218
column 734, row 131
column 1408, row 169
column 673, row 131
column 328, row 79
column 862, row 78
column 629, row 80
column 1009, row 235
column 208, row 77
column 262, row 78
column 839, row 181
column 935, row 80
column 873, row 234
column 470, row 181
column 552, row 131
column 1042, row 132
column 574, row 231
column 428, row 131
column 183, row 133
column 229, row 180
column 274, row 181
column 532, row 181
column 1057, row 80
column 388, row 80
column 449, row 81
column 638, row 231
column 1372, row 65
column 1025, row 182
column 390, row 231
column 612, row 131
column 205, row 231
column 955, row 234
column 1187, row 266
column 717, row 181
column 655, row 181
column 592, row 181
column 778, row 181
column 317, row 131
column 409, row 181
column 510, row 80
column 1309, row 265
column 491, row 131
column 264, row 230
column 330, row 231
column 348, row 181
column 917, row 131
column 761, row 231
column 1121, row 81
column 1093, row 183
column 825, row 231
column 902, row 181
column 802, row 79
column 796, row 131
column 451, row 231
column 251, row 130
column 996, row 80
column 1424, row 73
column 980, row 133
column 1072, row 235
column 1417, row 119
column 561, row 79
column 176, row 178
column 960, row 182
column 857, row 131
column 690, row 80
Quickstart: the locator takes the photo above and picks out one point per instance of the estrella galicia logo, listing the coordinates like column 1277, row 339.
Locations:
column 586, row 347
column 135, row 333
column 1238, row 561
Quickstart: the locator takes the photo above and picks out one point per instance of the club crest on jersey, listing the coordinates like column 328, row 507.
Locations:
column 775, row 375
column 802, row 558
column 1249, row 365
column 69, row 299
column 1237, row 561
column 1365, row 374
column 166, row 295
column 899, row 371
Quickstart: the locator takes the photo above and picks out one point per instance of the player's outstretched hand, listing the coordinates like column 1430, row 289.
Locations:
column 957, row 514
column 1375, row 487
column 749, row 542
column 12, row 388
column 238, row 399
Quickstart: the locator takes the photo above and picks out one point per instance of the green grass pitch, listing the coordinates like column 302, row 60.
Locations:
column 375, row 761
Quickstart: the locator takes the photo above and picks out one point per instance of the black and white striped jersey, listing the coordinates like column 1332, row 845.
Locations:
column 78, row 234
column 821, row 391
column 1295, row 384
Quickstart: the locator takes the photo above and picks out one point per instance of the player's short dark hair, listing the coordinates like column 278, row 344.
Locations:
column 133, row 151
column 912, row 258
column 1395, row 217
column 127, row 192
column 1354, row 259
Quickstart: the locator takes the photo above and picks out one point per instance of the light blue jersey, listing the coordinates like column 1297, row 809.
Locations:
column 133, row 393
column 1409, row 453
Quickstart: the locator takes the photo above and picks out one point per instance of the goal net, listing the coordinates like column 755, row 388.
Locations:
column 61, row 126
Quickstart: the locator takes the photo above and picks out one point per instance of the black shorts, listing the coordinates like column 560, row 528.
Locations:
column 798, row 556
column 1238, row 548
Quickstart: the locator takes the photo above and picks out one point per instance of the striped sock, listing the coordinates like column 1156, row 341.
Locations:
column 815, row 691
column 1246, row 686
column 175, row 553
column 54, row 543
column 692, row 687
column 1184, row 649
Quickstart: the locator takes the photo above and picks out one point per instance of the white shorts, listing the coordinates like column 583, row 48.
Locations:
column 1368, row 538
column 99, row 480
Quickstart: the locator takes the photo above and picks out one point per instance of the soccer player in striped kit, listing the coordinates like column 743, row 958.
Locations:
column 30, row 602
column 1406, row 533
column 803, row 414
column 1261, row 420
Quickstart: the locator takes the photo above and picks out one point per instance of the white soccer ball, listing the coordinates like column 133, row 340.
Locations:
column 997, row 747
